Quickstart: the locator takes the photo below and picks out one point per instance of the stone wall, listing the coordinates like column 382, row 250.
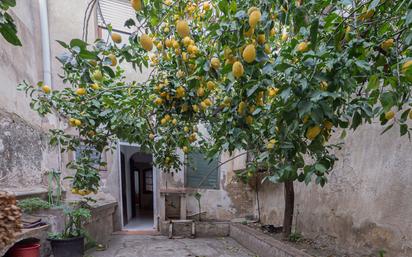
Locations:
column 366, row 206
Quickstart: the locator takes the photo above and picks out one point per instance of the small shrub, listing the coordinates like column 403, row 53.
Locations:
column 30, row 205
column 295, row 237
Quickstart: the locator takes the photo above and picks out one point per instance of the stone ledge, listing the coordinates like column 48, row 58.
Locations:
column 261, row 244
column 39, row 233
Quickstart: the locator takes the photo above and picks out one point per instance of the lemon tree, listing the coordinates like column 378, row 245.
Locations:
column 274, row 78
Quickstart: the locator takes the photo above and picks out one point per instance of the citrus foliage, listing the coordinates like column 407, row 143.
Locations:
column 7, row 26
column 275, row 78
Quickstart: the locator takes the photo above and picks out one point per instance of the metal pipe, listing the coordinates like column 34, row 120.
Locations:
column 45, row 41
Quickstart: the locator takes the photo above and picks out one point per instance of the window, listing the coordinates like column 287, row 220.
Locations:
column 201, row 172
column 148, row 180
column 115, row 12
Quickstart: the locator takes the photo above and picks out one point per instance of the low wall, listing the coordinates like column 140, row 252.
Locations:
column 261, row 244
column 183, row 228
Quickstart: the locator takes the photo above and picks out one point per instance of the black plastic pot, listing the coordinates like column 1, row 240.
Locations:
column 71, row 247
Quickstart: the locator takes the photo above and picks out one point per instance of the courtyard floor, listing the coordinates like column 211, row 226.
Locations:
column 160, row 246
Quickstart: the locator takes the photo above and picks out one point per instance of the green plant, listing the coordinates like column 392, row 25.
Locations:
column 30, row 205
column 295, row 237
column 382, row 253
column 75, row 217
column 54, row 192
column 274, row 78
column 198, row 196
column 7, row 26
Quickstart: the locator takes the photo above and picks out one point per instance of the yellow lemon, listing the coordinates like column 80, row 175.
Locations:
column 182, row 28
column 186, row 129
column 81, row 91
column 211, row 85
column 215, row 63
column 389, row 115
column 261, row 39
column 313, row 132
column 136, row 4
column 185, row 149
column 151, row 136
column 97, row 75
column 267, row 49
column 95, row 86
column 180, row 92
column 46, row 89
column 249, row 120
column 406, row 66
column 387, row 44
column 285, row 36
column 195, row 108
column 302, row 47
column 206, row 6
column 328, row 125
column 249, row 33
column 112, row 58
column 237, row 69
column 158, row 101
column 186, row 41
column 168, row 43
column 254, row 18
column 117, row 38
column 272, row 32
column 241, row 108
column 249, row 53
column 146, row 42
column 273, row 91
column 174, row 122
column 200, row 92
column 324, row 85
column 78, row 122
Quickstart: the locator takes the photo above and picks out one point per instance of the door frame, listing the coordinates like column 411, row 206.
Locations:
column 156, row 186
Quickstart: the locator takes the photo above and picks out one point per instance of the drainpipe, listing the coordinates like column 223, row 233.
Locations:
column 45, row 41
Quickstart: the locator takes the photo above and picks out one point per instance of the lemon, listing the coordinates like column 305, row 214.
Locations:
column 208, row 102
column 215, row 63
column 389, row 115
column 151, row 136
column 97, row 75
column 254, row 18
column 241, row 108
column 81, row 91
column 182, row 28
column 252, row 9
column 180, row 92
column 158, row 101
column 185, row 149
column 227, row 100
column 406, row 66
column 117, row 38
column 168, row 43
column 186, row 41
column 313, row 132
column 273, row 91
column 175, row 44
column 180, row 74
column 237, row 69
column 168, row 2
column 186, row 129
column 146, row 42
column 387, row 44
column 72, row 122
column 46, row 89
column 285, row 36
column 249, row 53
column 200, row 92
column 163, row 121
column 261, row 39
column 112, row 58
column 136, row 4
column 328, row 125
column 211, row 85
column 195, row 108
column 324, row 85
column 78, row 122
column 302, row 47
column 267, row 49
column 249, row 120
column 206, row 6
column 174, row 122
column 203, row 105
column 272, row 32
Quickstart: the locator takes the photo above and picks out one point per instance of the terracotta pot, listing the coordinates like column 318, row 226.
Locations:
column 25, row 250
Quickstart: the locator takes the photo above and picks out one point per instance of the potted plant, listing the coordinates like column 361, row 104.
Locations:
column 70, row 242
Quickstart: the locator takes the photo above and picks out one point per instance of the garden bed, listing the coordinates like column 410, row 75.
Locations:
column 317, row 248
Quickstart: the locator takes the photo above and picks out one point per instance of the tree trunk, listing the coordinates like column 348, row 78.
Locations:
column 289, row 206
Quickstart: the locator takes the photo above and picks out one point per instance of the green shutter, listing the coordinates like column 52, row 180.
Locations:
column 201, row 172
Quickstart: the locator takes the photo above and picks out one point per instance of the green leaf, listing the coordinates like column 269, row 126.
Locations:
column 314, row 33
column 373, row 82
column 10, row 34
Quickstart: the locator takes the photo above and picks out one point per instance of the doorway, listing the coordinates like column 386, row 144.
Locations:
column 138, row 187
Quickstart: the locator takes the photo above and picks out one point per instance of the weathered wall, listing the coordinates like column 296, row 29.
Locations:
column 23, row 153
column 366, row 205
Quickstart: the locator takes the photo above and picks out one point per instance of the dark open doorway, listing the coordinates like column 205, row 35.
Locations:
column 137, row 189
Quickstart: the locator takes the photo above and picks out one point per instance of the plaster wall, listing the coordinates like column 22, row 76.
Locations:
column 366, row 206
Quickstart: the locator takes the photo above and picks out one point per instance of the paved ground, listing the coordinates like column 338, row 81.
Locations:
column 160, row 246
